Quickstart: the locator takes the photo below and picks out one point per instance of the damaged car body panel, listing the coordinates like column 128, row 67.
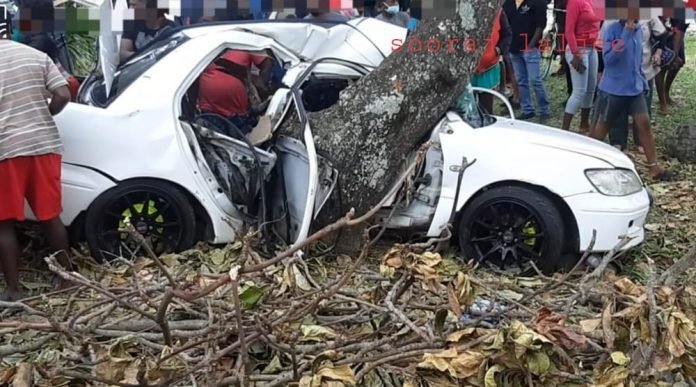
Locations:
column 279, row 184
column 163, row 141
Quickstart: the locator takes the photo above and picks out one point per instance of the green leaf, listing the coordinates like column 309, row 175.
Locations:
column 250, row 296
column 538, row 363
column 273, row 367
column 489, row 379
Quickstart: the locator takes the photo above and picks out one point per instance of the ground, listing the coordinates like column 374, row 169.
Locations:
column 395, row 315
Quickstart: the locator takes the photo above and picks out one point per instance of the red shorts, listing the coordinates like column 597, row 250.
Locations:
column 34, row 178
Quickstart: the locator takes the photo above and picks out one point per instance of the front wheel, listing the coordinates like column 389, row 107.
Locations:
column 506, row 227
column 159, row 211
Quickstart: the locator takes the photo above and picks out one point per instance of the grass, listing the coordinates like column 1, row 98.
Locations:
column 671, row 227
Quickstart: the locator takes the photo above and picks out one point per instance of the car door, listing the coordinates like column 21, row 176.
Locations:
column 308, row 178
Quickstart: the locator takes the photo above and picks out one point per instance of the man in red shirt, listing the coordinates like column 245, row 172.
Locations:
column 222, row 89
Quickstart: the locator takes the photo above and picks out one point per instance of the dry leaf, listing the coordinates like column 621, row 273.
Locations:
column 455, row 337
column 316, row 333
column 552, row 326
column 591, row 325
column 626, row 286
column 609, row 334
column 338, row 373
column 455, row 306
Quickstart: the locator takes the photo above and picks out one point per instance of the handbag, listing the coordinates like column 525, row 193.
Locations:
column 667, row 55
column 663, row 43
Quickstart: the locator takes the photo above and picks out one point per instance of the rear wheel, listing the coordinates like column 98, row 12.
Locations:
column 159, row 211
column 506, row 227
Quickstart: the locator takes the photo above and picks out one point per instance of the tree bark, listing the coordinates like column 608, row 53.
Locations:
column 384, row 116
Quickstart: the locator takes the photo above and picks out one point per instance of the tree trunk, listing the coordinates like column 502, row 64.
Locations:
column 381, row 118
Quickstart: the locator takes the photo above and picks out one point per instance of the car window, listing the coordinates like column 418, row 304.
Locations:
column 134, row 68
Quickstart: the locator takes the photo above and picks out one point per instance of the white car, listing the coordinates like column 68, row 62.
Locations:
column 141, row 153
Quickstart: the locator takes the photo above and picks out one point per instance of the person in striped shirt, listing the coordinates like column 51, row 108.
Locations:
column 30, row 154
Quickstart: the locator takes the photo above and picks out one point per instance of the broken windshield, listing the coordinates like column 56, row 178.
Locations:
column 467, row 107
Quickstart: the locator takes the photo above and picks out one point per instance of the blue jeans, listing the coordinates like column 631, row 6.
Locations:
column 527, row 66
column 584, row 83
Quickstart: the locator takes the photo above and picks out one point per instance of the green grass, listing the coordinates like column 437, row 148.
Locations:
column 672, row 222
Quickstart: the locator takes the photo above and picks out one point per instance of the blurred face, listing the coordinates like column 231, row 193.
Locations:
column 388, row 3
column 630, row 13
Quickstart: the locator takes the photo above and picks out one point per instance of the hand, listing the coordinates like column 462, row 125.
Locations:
column 657, row 58
column 577, row 64
column 497, row 51
column 631, row 24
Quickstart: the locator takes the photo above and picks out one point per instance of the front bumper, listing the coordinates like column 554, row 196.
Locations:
column 612, row 218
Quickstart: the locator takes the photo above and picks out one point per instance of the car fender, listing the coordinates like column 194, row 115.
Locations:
column 80, row 186
column 497, row 161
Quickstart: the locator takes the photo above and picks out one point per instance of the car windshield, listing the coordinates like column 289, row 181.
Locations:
column 467, row 107
column 134, row 68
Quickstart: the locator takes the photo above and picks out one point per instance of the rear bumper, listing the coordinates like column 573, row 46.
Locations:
column 613, row 218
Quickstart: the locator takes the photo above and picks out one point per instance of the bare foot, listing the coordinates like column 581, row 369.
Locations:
column 660, row 174
column 639, row 149
column 11, row 295
column 664, row 109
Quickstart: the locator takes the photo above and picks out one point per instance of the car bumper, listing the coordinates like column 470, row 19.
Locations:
column 613, row 218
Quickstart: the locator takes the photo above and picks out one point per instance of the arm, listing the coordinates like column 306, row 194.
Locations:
column 126, row 50
column 615, row 42
column 56, row 85
column 540, row 18
column 658, row 32
column 505, row 34
column 265, row 69
column 572, row 12
column 679, row 28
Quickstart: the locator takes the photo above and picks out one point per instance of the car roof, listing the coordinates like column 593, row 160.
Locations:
column 194, row 30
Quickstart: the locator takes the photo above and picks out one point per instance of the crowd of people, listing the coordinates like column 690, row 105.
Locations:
column 612, row 69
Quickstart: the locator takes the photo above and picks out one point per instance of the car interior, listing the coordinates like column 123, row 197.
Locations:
column 318, row 93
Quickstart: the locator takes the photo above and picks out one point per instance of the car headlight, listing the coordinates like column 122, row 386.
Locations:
column 614, row 182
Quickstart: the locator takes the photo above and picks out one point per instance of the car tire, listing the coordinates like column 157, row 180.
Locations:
column 520, row 212
column 157, row 209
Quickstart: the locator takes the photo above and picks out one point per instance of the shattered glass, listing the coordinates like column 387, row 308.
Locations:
column 466, row 106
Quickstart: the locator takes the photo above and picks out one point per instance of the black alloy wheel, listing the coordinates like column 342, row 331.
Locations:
column 506, row 227
column 159, row 211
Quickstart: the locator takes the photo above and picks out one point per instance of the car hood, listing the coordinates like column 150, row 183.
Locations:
column 522, row 131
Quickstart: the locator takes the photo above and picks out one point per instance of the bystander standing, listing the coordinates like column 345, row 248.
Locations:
column 528, row 20
column 623, row 87
column 30, row 154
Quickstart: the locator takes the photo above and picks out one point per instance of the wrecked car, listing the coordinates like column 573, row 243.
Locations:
column 137, row 151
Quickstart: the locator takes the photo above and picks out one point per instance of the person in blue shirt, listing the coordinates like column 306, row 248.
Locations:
column 623, row 87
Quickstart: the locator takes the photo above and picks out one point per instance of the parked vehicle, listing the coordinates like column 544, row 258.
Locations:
column 139, row 151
